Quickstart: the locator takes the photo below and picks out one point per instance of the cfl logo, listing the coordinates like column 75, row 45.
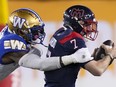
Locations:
column 17, row 21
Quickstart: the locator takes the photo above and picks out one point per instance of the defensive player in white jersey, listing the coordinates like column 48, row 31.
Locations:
column 17, row 40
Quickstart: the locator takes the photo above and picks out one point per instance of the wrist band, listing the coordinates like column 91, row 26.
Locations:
column 111, row 57
column 61, row 62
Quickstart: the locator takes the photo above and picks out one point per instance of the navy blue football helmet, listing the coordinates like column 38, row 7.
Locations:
column 82, row 20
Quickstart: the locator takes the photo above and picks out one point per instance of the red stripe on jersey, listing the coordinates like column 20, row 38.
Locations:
column 70, row 36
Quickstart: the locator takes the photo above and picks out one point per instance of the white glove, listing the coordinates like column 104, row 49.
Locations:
column 80, row 56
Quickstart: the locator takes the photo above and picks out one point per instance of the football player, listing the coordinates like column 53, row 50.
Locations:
column 17, row 40
column 79, row 23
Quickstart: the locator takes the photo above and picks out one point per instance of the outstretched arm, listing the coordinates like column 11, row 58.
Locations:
column 98, row 67
column 34, row 61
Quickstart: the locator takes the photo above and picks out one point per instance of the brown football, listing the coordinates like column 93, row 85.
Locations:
column 101, row 52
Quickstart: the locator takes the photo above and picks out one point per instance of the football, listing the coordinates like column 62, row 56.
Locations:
column 100, row 52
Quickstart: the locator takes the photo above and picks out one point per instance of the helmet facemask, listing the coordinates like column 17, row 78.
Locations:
column 37, row 32
column 89, row 30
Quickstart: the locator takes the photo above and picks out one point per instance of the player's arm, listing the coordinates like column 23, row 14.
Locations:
column 7, row 69
column 32, row 60
column 97, row 68
column 12, row 57
column 10, row 63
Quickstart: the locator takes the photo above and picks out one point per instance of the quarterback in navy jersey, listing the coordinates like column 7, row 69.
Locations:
column 18, row 40
column 79, row 23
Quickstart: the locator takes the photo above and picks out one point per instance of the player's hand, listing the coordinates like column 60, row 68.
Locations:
column 81, row 56
column 94, row 52
column 110, row 50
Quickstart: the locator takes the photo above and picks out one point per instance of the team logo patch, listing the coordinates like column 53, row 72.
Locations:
column 79, row 13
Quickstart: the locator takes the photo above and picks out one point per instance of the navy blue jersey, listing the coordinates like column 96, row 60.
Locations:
column 10, row 42
column 64, row 42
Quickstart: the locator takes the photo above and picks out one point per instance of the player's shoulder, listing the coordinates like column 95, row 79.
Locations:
column 5, row 34
column 12, row 38
column 10, row 41
column 60, row 32
column 69, row 34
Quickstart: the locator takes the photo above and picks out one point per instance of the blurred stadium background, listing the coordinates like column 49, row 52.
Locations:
column 51, row 11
